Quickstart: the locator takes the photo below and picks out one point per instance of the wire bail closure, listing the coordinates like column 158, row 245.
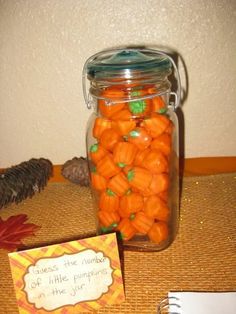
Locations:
column 89, row 101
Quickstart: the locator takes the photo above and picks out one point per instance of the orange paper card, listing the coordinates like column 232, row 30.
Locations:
column 72, row 277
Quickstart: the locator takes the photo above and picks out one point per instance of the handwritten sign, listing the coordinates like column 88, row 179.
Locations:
column 83, row 275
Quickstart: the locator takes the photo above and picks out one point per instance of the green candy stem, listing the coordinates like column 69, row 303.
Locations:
column 104, row 229
column 128, row 192
column 162, row 110
column 134, row 133
column 130, row 175
column 138, row 106
column 94, row 148
column 93, row 170
column 132, row 216
column 114, row 225
column 121, row 236
column 110, row 192
column 121, row 164
column 135, row 93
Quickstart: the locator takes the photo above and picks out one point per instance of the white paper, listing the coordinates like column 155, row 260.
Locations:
column 203, row 302
column 55, row 282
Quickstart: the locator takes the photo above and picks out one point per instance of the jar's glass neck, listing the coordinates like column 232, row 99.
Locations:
column 131, row 89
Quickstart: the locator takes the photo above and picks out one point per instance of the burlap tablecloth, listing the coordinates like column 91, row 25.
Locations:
column 202, row 258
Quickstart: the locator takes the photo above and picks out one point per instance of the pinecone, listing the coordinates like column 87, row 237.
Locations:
column 76, row 170
column 24, row 180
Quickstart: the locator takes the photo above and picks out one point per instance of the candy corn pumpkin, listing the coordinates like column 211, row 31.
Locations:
column 108, row 219
column 156, row 124
column 139, row 137
column 158, row 232
column 130, row 203
column 119, row 184
column 142, row 223
column 139, row 178
column 106, row 167
column 109, row 138
column 98, row 181
column 124, row 153
column 155, row 161
column 97, row 152
column 126, row 229
column 100, row 125
column 156, row 208
column 108, row 201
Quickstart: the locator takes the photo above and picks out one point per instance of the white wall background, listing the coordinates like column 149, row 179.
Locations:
column 44, row 44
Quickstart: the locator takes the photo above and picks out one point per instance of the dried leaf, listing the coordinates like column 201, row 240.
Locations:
column 13, row 230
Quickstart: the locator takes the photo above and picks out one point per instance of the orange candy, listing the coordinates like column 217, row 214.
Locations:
column 97, row 152
column 142, row 223
column 123, row 114
column 158, row 232
column 140, row 137
column 155, row 162
column 139, row 178
column 108, row 219
column 159, row 185
column 156, row 124
column 98, row 182
column 130, row 203
column 108, row 201
column 124, row 153
column 109, row 138
column 123, row 127
column 119, row 184
column 108, row 109
column 156, row 208
column 162, row 143
column 106, row 167
column 100, row 125
column 126, row 229
column 141, row 154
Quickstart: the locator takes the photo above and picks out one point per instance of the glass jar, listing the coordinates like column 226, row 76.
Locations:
column 132, row 146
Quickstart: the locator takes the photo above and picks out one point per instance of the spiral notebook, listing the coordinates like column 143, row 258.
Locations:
column 198, row 303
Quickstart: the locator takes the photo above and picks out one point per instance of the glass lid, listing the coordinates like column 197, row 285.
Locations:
column 127, row 62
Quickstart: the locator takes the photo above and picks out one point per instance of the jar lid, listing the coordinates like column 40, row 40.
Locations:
column 127, row 63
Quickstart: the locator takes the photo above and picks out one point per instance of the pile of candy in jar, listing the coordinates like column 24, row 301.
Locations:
column 131, row 160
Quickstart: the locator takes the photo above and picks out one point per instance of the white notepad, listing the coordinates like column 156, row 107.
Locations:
column 200, row 303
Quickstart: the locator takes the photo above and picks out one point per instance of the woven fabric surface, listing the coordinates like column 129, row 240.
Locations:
column 202, row 257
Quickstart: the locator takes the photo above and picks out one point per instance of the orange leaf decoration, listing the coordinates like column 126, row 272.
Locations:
column 13, row 230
